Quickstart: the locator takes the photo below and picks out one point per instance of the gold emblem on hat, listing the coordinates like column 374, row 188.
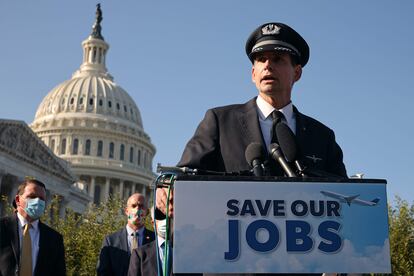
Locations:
column 270, row 29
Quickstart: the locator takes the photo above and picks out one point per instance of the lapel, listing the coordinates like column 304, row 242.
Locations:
column 14, row 236
column 152, row 258
column 249, row 122
column 42, row 246
column 124, row 240
column 148, row 236
column 301, row 129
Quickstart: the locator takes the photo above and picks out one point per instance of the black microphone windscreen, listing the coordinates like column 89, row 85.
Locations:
column 254, row 151
column 287, row 141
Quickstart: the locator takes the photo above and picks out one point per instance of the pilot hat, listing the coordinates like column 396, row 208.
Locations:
column 277, row 37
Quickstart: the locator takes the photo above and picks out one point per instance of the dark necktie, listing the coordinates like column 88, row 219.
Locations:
column 277, row 117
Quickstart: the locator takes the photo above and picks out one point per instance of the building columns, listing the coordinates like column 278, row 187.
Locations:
column 92, row 188
column 121, row 189
column 106, row 193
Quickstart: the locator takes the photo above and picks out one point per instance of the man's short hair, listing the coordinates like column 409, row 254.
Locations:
column 22, row 186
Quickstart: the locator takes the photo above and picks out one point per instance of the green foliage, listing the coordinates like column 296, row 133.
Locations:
column 83, row 233
column 401, row 218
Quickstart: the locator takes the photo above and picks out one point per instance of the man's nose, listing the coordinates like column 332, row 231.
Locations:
column 268, row 64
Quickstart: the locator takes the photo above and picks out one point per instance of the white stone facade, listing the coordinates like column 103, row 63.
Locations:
column 23, row 154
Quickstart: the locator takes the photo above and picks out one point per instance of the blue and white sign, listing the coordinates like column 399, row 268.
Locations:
column 280, row 227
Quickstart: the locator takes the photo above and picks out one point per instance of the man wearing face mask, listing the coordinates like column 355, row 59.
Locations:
column 27, row 246
column 117, row 247
column 145, row 261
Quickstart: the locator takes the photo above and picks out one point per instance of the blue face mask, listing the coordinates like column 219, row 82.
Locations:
column 35, row 207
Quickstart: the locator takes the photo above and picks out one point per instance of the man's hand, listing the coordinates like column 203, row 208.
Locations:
column 161, row 203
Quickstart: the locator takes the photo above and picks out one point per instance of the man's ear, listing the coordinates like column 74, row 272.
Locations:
column 17, row 200
column 298, row 72
column 253, row 73
column 126, row 211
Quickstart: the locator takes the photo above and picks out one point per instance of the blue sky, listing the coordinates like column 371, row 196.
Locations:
column 179, row 58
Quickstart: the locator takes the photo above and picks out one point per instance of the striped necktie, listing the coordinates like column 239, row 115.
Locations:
column 26, row 257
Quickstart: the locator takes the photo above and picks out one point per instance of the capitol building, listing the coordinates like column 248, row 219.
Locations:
column 95, row 127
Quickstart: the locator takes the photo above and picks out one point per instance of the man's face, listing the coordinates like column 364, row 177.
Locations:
column 30, row 191
column 136, row 211
column 274, row 74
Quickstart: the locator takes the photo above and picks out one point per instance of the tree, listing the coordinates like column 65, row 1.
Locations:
column 401, row 219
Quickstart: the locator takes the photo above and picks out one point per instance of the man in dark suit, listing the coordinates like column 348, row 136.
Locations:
column 278, row 54
column 27, row 246
column 117, row 247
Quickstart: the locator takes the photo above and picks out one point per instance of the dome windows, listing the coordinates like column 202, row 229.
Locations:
column 139, row 157
column 81, row 100
column 52, row 145
column 75, row 146
column 63, row 146
column 72, row 100
column 117, row 106
column 109, row 104
column 88, row 147
column 131, row 155
column 91, row 101
column 121, row 152
column 100, row 102
column 100, row 148
column 111, row 150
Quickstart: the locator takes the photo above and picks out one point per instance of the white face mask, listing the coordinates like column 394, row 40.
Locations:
column 161, row 228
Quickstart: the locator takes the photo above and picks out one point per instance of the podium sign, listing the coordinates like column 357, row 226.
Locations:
column 298, row 226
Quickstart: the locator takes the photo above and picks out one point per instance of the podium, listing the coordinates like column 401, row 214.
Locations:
column 238, row 224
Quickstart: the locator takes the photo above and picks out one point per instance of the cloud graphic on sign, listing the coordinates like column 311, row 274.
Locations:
column 350, row 261
column 204, row 252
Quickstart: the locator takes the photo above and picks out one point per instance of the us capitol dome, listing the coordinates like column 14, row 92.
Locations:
column 95, row 125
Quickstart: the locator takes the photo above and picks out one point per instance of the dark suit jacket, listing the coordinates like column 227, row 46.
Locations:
column 51, row 256
column 114, row 256
column 144, row 262
column 222, row 137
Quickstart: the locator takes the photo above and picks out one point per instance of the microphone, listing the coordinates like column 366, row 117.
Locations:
column 289, row 146
column 255, row 156
column 277, row 154
column 184, row 170
column 187, row 170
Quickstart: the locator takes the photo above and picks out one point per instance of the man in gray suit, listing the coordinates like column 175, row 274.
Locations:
column 117, row 247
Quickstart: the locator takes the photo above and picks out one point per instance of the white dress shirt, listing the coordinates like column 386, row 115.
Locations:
column 34, row 236
column 161, row 242
column 140, row 232
column 265, row 119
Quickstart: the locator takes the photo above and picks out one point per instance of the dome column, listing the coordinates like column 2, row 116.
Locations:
column 121, row 189
column 92, row 188
column 106, row 192
column 132, row 188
